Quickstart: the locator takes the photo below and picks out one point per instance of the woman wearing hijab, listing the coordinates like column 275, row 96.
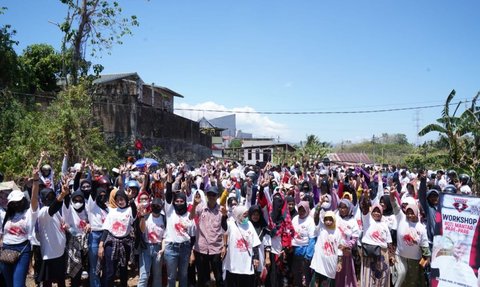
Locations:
column 255, row 215
column 291, row 206
column 350, row 232
column 242, row 241
column 282, row 232
column 97, row 211
column 303, row 244
column 176, row 242
column 116, row 243
column 412, row 245
column 76, row 221
column 152, row 226
column 376, row 238
column 327, row 257
column 51, row 231
column 17, row 225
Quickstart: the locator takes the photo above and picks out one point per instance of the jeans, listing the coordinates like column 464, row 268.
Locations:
column 93, row 240
column 16, row 274
column 150, row 261
column 176, row 257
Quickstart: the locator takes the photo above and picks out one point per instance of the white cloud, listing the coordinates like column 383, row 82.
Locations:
column 252, row 122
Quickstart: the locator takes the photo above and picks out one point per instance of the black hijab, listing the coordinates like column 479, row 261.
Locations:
column 293, row 212
column 388, row 210
column 180, row 209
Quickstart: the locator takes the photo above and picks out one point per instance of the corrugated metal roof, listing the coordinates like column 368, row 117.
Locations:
column 350, row 158
column 113, row 77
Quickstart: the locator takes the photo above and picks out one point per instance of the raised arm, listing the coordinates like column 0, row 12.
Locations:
column 35, row 188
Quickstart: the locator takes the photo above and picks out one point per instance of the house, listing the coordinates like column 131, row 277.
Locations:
column 208, row 128
column 266, row 152
column 127, row 109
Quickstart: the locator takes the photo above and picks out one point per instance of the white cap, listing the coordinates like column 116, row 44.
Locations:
column 15, row 195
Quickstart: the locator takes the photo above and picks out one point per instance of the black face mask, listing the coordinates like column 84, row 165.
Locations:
column 101, row 200
column 156, row 209
column 180, row 209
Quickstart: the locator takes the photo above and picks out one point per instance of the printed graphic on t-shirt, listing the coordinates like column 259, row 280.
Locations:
column 411, row 237
column 16, row 230
column 180, row 228
column 377, row 235
column 242, row 245
column 82, row 224
column 118, row 228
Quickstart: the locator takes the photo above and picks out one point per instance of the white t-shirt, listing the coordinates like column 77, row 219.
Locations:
column 19, row 227
column 266, row 241
column 51, row 234
column 2, row 216
column 375, row 233
column 96, row 215
column 119, row 221
column 241, row 240
column 325, row 256
column 348, row 229
column 304, row 230
column 391, row 221
column 178, row 226
column 410, row 238
column 154, row 229
column 76, row 221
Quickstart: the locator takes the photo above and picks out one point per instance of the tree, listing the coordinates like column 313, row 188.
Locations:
column 313, row 149
column 43, row 66
column 9, row 66
column 96, row 24
column 66, row 127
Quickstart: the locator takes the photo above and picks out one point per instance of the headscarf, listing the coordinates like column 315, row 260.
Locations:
column 238, row 213
column 278, row 208
column 331, row 214
column 350, row 207
column 305, row 206
column 138, row 203
column 122, row 193
column 414, row 208
column 261, row 223
column 379, row 208
column 101, row 200
column 180, row 209
column 111, row 198
column 389, row 209
column 280, row 222
column 293, row 212
column 78, row 193
column 44, row 196
column 87, row 192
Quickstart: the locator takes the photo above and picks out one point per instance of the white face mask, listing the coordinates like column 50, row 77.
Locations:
column 144, row 204
column 77, row 205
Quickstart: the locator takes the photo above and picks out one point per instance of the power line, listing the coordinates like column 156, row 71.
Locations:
column 314, row 112
column 369, row 111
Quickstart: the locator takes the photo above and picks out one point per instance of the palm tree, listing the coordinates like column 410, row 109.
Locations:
column 448, row 127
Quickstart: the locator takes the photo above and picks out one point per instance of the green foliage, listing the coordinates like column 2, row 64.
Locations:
column 65, row 127
column 235, row 143
column 43, row 66
column 313, row 149
column 9, row 66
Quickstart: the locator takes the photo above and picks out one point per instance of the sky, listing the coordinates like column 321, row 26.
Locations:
column 292, row 56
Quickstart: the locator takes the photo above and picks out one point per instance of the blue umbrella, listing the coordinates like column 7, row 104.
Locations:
column 143, row 161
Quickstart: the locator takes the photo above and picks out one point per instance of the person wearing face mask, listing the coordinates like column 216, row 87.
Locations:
column 176, row 241
column 16, row 228
column 303, row 243
column 231, row 205
column 327, row 257
column 376, row 240
column 97, row 211
column 77, row 227
column 52, row 237
column 116, row 242
column 152, row 226
column 242, row 241
column 412, row 245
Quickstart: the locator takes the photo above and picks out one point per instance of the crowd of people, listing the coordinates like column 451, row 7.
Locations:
column 222, row 223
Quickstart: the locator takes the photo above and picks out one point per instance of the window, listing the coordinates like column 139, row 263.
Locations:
column 257, row 154
column 249, row 154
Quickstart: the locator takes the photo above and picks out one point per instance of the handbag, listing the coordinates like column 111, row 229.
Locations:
column 371, row 250
column 9, row 256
